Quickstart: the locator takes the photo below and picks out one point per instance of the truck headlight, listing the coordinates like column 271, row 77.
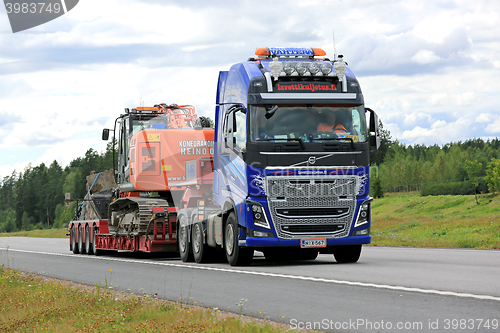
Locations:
column 363, row 214
column 326, row 68
column 313, row 68
column 258, row 213
column 301, row 68
column 289, row 68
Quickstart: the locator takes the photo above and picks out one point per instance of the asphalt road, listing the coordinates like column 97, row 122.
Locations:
column 389, row 289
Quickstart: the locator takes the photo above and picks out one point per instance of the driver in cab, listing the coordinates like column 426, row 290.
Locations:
column 331, row 125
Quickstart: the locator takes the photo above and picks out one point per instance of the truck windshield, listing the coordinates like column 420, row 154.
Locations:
column 309, row 123
column 162, row 121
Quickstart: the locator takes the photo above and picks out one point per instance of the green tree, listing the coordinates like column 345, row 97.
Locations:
column 473, row 169
column 493, row 175
column 377, row 191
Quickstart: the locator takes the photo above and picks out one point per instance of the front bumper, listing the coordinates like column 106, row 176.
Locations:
column 275, row 242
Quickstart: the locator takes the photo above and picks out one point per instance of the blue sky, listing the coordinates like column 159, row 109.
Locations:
column 431, row 69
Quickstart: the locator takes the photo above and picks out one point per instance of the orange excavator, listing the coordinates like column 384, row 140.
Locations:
column 139, row 211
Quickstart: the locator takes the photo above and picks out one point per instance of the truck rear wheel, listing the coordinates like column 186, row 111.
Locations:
column 88, row 244
column 81, row 245
column 74, row 243
column 201, row 251
column 183, row 240
column 347, row 253
column 236, row 255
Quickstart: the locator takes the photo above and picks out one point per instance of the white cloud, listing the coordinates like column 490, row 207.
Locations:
column 424, row 57
column 438, row 124
column 494, row 127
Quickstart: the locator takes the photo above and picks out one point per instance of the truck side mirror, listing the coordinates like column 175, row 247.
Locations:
column 374, row 129
column 105, row 134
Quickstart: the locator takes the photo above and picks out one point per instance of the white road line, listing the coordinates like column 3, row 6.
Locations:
column 285, row 276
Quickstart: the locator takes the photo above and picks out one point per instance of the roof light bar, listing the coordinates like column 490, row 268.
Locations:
column 289, row 51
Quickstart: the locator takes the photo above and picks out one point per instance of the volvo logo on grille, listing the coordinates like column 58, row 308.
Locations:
column 311, row 160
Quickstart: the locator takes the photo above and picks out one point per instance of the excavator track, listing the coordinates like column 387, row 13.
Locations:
column 134, row 210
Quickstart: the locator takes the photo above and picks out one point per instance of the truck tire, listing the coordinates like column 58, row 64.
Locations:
column 201, row 251
column 235, row 254
column 81, row 244
column 88, row 244
column 74, row 243
column 183, row 240
column 347, row 253
column 95, row 251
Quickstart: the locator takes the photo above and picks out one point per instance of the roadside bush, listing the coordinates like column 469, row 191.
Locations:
column 376, row 188
column 456, row 188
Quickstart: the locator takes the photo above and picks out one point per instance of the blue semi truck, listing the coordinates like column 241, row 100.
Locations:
column 290, row 175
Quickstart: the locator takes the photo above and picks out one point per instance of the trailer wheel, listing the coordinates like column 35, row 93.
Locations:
column 95, row 251
column 236, row 255
column 81, row 245
column 201, row 251
column 88, row 244
column 347, row 253
column 74, row 243
column 183, row 240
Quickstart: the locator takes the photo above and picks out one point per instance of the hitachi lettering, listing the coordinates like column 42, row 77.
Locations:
column 313, row 87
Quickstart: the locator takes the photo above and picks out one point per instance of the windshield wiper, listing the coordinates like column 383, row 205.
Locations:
column 287, row 139
column 336, row 139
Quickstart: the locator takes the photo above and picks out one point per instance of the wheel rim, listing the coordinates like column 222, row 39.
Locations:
column 229, row 239
column 73, row 239
column 93, row 241
column 81, row 244
column 197, row 239
column 87, row 239
column 183, row 239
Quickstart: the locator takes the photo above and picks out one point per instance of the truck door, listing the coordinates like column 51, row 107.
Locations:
column 233, row 150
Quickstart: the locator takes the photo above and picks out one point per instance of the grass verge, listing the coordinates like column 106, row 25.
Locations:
column 45, row 233
column 453, row 221
column 31, row 303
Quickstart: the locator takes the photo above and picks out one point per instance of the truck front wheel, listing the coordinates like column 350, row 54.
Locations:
column 236, row 255
column 347, row 253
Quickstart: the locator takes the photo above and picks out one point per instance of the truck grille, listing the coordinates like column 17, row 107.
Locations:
column 311, row 207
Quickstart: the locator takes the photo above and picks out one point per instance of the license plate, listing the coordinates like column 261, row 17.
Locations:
column 313, row 242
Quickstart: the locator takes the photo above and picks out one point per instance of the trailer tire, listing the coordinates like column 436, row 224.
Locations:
column 88, row 244
column 236, row 255
column 74, row 243
column 347, row 253
column 201, row 251
column 95, row 251
column 183, row 240
column 81, row 245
